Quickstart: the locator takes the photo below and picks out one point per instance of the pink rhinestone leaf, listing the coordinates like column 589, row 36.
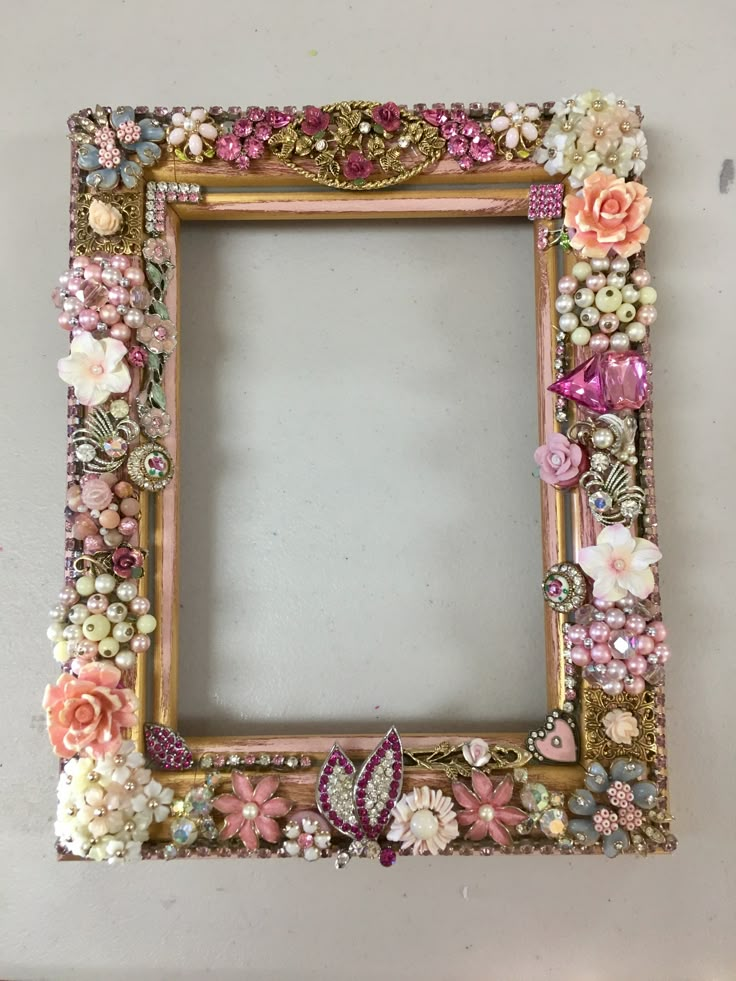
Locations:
column 166, row 748
column 379, row 784
column 335, row 793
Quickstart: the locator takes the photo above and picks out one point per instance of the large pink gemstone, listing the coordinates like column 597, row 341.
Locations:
column 608, row 382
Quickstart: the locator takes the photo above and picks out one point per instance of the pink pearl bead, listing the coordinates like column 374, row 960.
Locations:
column 596, row 282
column 129, row 526
column 109, row 519
column 616, row 619
column 567, row 284
column 135, row 277
column 63, row 321
column 598, row 343
column 637, row 664
column 634, row 686
column 608, row 323
column 576, row 633
column 119, row 262
column 89, row 319
column 86, row 649
column 92, row 544
column 110, row 276
column 616, row 671
column 599, row 632
column 75, row 284
column 140, row 643
column 580, row 656
column 640, row 278
column 97, row 603
column 644, row 644
column 611, row 687
column 109, row 478
column 602, row 605
column 662, row 653
column 636, row 624
column 93, row 272
column 80, row 261
column 109, row 315
column 658, row 630
column 118, row 296
column 139, row 605
column 121, row 332
column 130, row 506
column 600, row 653
column 646, row 315
column 135, row 318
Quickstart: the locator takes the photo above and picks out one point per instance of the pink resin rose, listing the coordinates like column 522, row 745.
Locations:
column 560, row 462
column 608, row 214
column 356, row 167
column 388, row 116
column 87, row 713
column 315, row 121
column 96, row 494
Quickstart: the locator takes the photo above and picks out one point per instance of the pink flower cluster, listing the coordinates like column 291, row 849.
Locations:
column 466, row 140
column 249, row 135
column 619, row 645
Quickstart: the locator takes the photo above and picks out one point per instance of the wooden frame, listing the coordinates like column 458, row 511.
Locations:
column 576, row 784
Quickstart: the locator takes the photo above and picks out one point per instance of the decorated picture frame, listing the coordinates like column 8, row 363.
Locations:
column 591, row 777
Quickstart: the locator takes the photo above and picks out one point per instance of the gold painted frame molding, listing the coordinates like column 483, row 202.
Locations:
column 591, row 778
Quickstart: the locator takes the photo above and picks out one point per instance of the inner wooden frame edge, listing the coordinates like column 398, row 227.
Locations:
column 407, row 202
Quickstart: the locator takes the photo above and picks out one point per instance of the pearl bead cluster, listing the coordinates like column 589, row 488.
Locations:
column 103, row 294
column 606, row 304
column 111, row 523
column 100, row 617
column 619, row 646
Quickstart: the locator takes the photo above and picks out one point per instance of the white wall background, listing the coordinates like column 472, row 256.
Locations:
column 669, row 918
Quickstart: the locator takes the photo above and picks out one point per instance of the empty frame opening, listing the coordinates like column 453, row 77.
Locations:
column 360, row 540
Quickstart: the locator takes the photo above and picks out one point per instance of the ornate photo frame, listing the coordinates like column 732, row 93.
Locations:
column 591, row 777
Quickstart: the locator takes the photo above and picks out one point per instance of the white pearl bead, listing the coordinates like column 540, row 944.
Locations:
column 564, row 303
column 616, row 279
column 424, row 825
column 116, row 612
column 647, row 295
column 608, row 300
column 636, row 332
column 630, row 293
column 590, row 316
column 568, row 322
column 580, row 336
column 73, row 631
column 486, row 812
column 55, row 633
column 619, row 342
column 85, row 585
column 123, row 632
column 600, row 265
column 584, row 297
column 626, row 313
column 127, row 591
column 581, row 270
column 125, row 659
column 250, row 811
column 78, row 613
column 105, row 583
column 602, row 438
column 620, row 264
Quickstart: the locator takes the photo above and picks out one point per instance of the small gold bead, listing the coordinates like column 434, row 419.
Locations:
column 598, row 105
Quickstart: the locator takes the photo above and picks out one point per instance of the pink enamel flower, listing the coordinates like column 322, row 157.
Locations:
column 87, row 713
column 356, row 167
column 95, row 368
column 619, row 564
column 158, row 335
column 608, row 214
column 388, row 116
column 315, row 121
column 250, row 811
column 560, row 462
column 485, row 808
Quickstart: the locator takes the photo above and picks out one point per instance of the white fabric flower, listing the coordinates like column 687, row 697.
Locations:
column 99, row 811
column 424, row 821
column 584, row 102
column 619, row 564
column 557, row 154
column 74, row 778
column 636, row 146
column 155, row 800
column 585, row 166
column 119, row 767
column 95, row 368
column 189, row 132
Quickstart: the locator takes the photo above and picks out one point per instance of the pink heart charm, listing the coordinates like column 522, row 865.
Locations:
column 166, row 748
column 556, row 742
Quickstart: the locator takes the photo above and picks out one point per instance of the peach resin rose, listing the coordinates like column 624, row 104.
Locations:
column 608, row 214
column 87, row 713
